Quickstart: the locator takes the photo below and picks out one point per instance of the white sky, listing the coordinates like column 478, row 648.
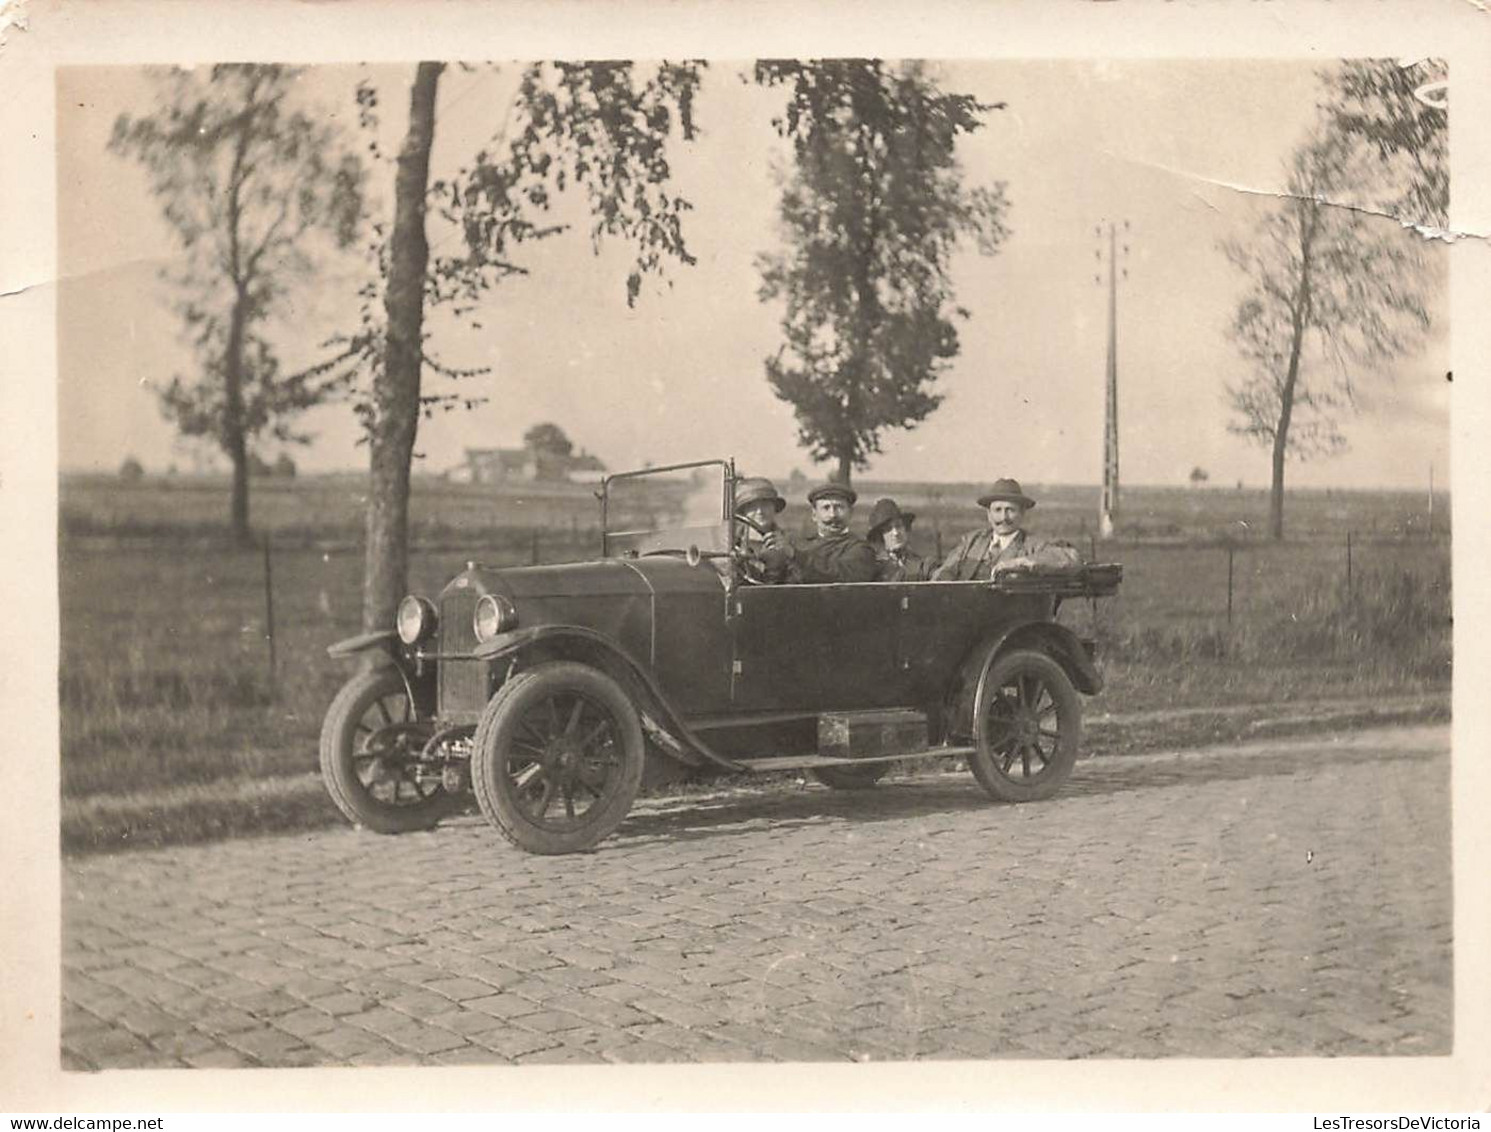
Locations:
column 681, row 376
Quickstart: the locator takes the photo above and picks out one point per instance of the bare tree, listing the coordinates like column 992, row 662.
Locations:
column 1332, row 291
column 246, row 180
column 601, row 128
column 872, row 209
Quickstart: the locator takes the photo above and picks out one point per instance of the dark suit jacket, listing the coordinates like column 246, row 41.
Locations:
column 836, row 558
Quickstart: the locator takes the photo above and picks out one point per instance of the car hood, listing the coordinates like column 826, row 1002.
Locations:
column 610, row 577
column 622, row 599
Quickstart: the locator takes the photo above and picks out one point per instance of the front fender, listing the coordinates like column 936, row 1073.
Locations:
column 576, row 642
column 419, row 679
column 383, row 639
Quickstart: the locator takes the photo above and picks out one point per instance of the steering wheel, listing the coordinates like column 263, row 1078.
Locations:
column 752, row 569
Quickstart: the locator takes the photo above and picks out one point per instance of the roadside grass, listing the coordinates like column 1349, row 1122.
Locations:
column 175, row 729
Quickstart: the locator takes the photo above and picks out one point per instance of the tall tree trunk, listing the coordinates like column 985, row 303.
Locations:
column 846, row 466
column 1300, row 322
column 235, row 444
column 396, row 388
column 1276, row 491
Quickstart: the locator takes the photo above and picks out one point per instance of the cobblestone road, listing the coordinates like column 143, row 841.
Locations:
column 1286, row 898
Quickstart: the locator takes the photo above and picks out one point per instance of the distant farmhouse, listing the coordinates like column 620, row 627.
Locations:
column 525, row 465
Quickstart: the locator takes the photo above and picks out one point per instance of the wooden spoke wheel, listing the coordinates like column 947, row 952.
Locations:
column 558, row 758
column 370, row 745
column 1027, row 727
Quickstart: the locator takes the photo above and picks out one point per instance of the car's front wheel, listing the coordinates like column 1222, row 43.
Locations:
column 1026, row 741
column 558, row 758
column 370, row 746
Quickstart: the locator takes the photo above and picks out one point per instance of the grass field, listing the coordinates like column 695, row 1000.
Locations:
column 167, row 691
column 330, row 508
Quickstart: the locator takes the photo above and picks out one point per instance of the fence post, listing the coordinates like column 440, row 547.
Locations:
column 269, row 613
column 1230, row 552
column 1348, row 567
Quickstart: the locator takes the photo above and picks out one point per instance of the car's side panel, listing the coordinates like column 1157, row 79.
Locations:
column 940, row 622
column 690, row 648
column 776, row 664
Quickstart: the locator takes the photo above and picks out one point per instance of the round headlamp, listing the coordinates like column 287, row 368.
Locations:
column 416, row 619
column 494, row 614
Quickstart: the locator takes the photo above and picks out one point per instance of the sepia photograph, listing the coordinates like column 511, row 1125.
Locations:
column 900, row 557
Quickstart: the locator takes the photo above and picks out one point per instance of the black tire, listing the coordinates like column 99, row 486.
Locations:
column 1018, row 756
column 368, row 742
column 851, row 777
column 562, row 735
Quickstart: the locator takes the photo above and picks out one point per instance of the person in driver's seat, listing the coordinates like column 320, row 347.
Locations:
column 756, row 499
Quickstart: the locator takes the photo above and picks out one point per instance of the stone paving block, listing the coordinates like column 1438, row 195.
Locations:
column 345, row 1042
column 557, row 1055
column 503, row 1005
column 678, row 1013
column 305, row 1022
column 512, row 1044
column 417, row 1003
column 222, row 1020
column 548, row 1022
column 460, row 989
column 466, row 1022
column 598, row 1010
column 267, row 1046
column 218, row 1059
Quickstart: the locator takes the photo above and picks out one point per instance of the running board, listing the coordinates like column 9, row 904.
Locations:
column 808, row 762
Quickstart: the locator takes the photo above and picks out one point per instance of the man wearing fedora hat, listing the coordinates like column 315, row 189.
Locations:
column 832, row 554
column 890, row 535
column 1003, row 546
column 756, row 499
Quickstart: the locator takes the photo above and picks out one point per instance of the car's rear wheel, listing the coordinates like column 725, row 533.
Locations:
column 370, row 745
column 558, row 758
column 851, row 777
column 1027, row 728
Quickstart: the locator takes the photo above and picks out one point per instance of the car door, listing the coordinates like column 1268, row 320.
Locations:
column 815, row 647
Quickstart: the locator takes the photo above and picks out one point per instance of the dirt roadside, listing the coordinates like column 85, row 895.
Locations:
column 293, row 803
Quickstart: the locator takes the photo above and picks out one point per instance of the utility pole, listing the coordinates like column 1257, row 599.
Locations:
column 1431, row 499
column 1108, row 508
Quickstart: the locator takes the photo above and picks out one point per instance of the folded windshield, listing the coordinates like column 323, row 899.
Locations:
column 658, row 510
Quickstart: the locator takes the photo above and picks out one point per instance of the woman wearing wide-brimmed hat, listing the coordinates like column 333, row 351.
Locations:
column 1004, row 546
column 757, row 500
column 890, row 535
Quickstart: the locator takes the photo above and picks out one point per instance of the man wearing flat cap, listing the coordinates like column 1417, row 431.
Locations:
column 1003, row 546
column 890, row 535
column 756, row 499
column 832, row 554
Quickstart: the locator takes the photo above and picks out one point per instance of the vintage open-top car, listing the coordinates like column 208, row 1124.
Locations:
column 544, row 690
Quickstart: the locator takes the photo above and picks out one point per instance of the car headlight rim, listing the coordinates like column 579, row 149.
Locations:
column 493, row 616
column 416, row 619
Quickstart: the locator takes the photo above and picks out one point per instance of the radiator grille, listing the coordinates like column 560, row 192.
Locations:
column 463, row 683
